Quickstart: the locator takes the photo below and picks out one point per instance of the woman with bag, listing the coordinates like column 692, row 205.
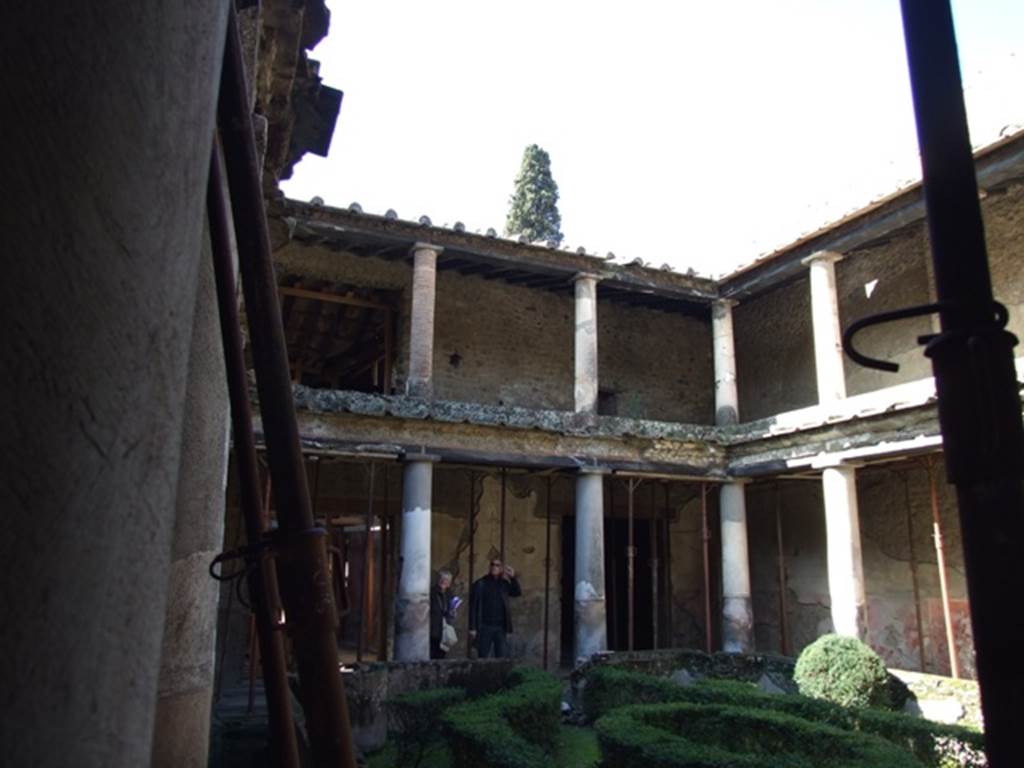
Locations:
column 442, row 631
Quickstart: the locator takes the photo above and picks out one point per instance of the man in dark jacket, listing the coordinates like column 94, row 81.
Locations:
column 440, row 611
column 490, row 616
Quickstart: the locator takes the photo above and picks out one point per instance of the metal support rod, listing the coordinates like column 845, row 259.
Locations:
column 783, row 607
column 262, row 579
column 302, row 557
column 631, row 485
column 501, row 548
column 547, row 573
column 612, row 574
column 706, row 539
column 978, row 396
column 914, row 580
column 668, row 565
column 382, row 628
column 472, row 553
column 940, row 558
column 654, row 573
column 365, row 617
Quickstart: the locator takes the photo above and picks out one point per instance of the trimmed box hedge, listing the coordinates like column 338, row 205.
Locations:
column 416, row 720
column 516, row 728
column 933, row 744
column 689, row 735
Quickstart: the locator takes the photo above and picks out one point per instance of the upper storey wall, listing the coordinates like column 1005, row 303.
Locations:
column 774, row 335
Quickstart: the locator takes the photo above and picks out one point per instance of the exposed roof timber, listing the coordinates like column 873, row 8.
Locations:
column 996, row 166
column 355, row 301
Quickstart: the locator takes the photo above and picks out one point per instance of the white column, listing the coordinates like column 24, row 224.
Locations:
column 737, row 606
column 585, row 368
column 591, row 630
column 845, row 565
column 828, row 347
column 412, row 605
column 420, row 379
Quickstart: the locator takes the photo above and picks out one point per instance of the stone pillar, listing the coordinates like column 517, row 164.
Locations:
column 412, row 606
column 828, row 339
column 737, row 606
column 591, row 630
column 845, row 566
column 420, row 380
column 585, row 368
column 186, row 682
column 105, row 179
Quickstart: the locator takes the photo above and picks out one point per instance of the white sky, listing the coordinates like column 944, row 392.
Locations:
column 697, row 134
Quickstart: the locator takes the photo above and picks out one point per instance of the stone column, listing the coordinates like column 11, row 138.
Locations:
column 845, row 566
column 412, row 605
column 839, row 482
column 105, row 179
column 591, row 631
column 585, row 368
column 420, row 379
column 186, row 683
column 737, row 606
column 828, row 345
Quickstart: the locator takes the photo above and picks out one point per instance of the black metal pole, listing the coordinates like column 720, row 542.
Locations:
column 978, row 400
column 302, row 552
column 262, row 580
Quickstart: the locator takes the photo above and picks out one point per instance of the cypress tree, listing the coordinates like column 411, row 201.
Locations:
column 533, row 207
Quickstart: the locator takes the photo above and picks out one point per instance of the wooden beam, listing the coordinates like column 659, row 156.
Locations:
column 352, row 301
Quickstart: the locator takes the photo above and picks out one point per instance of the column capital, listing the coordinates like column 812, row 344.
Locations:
column 586, row 276
column 827, row 257
column 736, row 481
column 593, row 470
column 421, row 457
column 827, row 461
column 436, row 249
column 724, row 303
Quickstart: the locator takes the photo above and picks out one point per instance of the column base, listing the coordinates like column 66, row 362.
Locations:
column 591, row 627
column 737, row 625
column 412, row 628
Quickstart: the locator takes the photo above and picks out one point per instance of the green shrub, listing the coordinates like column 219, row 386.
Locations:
column 516, row 728
column 843, row 670
column 416, row 720
column 933, row 744
column 688, row 735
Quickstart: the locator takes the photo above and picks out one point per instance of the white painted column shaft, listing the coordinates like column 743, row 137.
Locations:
column 420, row 379
column 412, row 606
column 845, row 565
column 585, row 368
column 737, row 606
column 828, row 347
column 591, row 629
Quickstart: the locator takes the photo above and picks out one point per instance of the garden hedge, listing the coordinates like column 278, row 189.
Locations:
column 690, row 735
column 516, row 728
column 416, row 720
column 933, row 744
column 843, row 670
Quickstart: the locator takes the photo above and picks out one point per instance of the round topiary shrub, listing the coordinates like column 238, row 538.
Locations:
column 842, row 670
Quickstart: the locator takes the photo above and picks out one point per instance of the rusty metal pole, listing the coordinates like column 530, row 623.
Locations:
column 501, row 548
column 654, row 573
column 472, row 555
column 382, row 630
column 783, row 607
column 940, row 557
column 301, row 548
column 914, row 581
column 262, row 579
column 631, row 485
column 706, row 538
column 364, row 620
column 669, row 605
column 547, row 573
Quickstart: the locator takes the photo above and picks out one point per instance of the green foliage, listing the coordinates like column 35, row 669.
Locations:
column 416, row 720
column 933, row 744
column 516, row 728
column 533, row 207
column 843, row 670
column 715, row 735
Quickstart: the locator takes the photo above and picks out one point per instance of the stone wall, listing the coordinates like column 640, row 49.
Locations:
column 889, row 573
